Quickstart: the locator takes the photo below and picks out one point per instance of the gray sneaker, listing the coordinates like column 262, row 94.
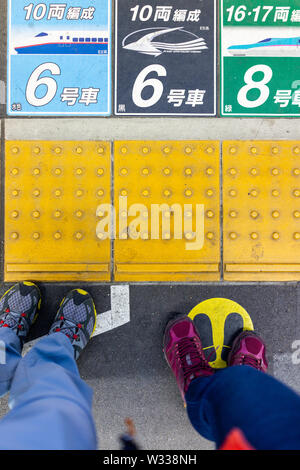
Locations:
column 76, row 318
column 19, row 308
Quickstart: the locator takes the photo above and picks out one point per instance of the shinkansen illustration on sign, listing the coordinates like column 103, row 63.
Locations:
column 59, row 58
column 57, row 42
column 272, row 47
column 165, row 58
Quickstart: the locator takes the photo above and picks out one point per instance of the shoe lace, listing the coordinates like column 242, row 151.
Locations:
column 13, row 319
column 250, row 361
column 67, row 326
column 189, row 346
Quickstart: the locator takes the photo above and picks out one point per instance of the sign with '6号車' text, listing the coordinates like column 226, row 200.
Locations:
column 165, row 57
column 59, row 57
column 260, row 58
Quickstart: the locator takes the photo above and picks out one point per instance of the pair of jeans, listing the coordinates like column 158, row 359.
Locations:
column 265, row 410
column 50, row 405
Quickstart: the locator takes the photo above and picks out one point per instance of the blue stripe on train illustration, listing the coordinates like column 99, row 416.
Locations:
column 62, row 43
column 269, row 46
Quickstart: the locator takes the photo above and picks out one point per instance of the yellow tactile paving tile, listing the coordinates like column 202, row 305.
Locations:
column 173, row 232
column 52, row 190
column 261, row 210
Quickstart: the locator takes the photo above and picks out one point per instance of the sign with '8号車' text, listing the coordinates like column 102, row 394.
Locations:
column 260, row 58
column 59, row 57
column 165, row 57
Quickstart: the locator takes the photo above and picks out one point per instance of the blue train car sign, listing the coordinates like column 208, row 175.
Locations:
column 59, row 58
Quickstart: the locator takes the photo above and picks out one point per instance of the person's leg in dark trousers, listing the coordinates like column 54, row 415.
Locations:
column 265, row 410
column 240, row 396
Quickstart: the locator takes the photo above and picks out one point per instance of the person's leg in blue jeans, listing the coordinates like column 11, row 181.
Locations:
column 51, row 406
column 240, row 396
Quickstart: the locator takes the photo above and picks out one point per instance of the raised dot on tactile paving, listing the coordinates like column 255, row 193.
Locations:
column 123, row 150
column 254, row 150
column 36, row 171
column 15, row 171
column 296, row 236
column 232, row 150
column 296, row 171
column 57, row 171
column 209, row 214
column 209, row 235
column 57, row 214
column 296, row 150
column 232, row 171
column 209, row 171
column 254, row 236
column 167, row 192
column 275, row 171
column 79, row 171
column 209, row 150
column 15, row 150
column 254, row 171
column 57, row 192
column 36, row 150
column 15, row 214
column 166, row 150
column 79, row 214
column 145, row 150
column 100, row 192
column 15, row 193
column 188, row 171
column 36, row 214
column 254, row 214
column 100, row 150
column 78, row 235
column 233, row 235
column 35, row 235
column 188, row 192
column 14, row 235
column 123, row 192
column 233, row 214
column 188, row 150
column 79, row 192
column 253, row 193
column 275, row 193
column 145, row 171
column 232, row 192
column 209, row 192
column 100, row 171
column 57, row 235
column 296, row 214
column 167, row 171
column 123, row 171
column 275, row 214
column 296, row 192
column 275, row 236
column 79, row 150
column 275, row 150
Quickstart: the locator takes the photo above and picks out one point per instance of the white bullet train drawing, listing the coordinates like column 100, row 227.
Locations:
column 272, row 47
column 72, row 42
column 145, row 41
